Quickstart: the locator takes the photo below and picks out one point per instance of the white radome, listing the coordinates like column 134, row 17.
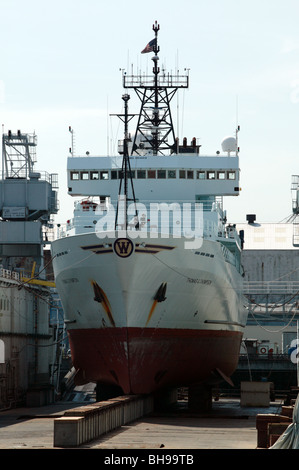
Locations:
column 229, row 144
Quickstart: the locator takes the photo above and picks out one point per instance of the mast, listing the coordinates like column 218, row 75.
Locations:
column 156, row 71
column 155, row 128
column 126, row 173
column 155, row 125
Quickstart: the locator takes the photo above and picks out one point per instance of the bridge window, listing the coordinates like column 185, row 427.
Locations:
column 171, row 174
column 161, row 174
column 104, row 175
column 94, row 175
column 74, row 175
column 141, row 174
column 201, row 175
column 151, row 174
column 84, row 175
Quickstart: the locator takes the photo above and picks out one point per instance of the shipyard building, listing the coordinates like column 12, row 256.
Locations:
column 271, row 285
column 28, row 199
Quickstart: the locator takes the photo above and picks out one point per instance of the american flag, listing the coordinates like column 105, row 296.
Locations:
column 149, row 47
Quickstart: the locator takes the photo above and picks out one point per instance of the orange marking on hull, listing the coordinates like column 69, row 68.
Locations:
column 152, row 311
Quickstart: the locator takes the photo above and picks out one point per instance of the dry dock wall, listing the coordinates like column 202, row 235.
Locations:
column 83, row 424
column 24, row 336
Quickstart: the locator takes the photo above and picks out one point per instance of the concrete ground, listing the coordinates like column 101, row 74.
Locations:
column 228, row 426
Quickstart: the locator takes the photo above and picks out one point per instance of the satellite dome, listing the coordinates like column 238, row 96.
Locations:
column 229, row 144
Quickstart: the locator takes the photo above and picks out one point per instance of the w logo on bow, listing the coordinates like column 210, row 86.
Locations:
column 123, row 247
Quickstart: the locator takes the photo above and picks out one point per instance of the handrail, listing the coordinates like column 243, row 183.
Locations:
column 271, row 287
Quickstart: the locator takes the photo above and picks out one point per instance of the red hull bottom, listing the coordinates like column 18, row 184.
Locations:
column 142, row 361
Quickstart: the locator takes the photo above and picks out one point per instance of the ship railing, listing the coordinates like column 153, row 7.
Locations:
column 271, row 287
column 207, row 211
column 280, row 357
column 90, row 224
column 24, row 174
column 173, row 217
column 92, row 205
column 165, row 80
column 71, row 228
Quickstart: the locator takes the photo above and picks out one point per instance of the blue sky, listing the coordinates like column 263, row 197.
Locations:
column 61, row 61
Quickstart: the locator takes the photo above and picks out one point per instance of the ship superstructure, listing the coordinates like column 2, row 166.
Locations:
column 148, row 270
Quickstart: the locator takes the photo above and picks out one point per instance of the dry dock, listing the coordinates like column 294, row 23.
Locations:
column 227, row 426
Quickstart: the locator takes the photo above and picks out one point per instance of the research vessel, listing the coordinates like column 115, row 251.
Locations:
column 148, row 270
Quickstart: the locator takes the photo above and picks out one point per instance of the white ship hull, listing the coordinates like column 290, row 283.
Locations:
column 150, row 313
